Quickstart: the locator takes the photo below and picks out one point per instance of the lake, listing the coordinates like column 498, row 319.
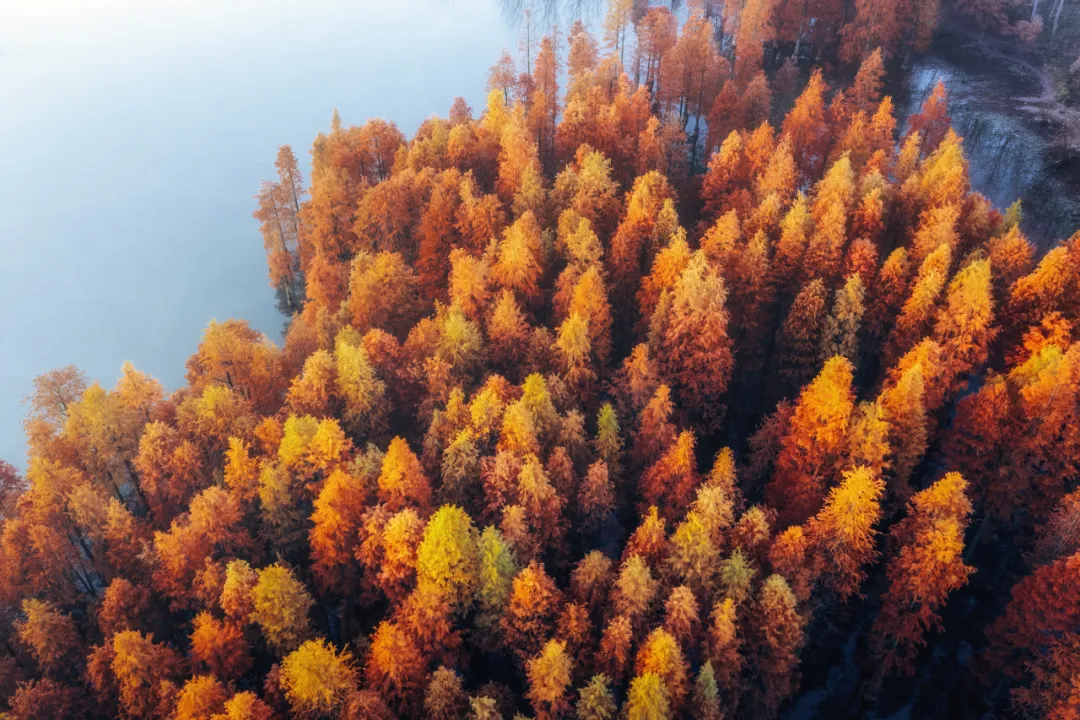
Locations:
column 135, row 135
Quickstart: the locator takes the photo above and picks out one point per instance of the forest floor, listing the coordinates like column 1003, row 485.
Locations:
column 1021, row 135
column 1046, row 106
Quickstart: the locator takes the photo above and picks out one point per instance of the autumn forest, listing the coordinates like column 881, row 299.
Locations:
column 682, row 380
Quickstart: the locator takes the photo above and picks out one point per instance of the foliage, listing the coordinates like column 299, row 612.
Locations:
column 582, row 403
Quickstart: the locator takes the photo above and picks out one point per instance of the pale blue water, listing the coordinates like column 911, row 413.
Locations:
column 134, row 134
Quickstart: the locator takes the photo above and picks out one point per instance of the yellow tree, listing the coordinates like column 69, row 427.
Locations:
column 964, row 326
column 918, row 311
column 317, row 679
column 280, row 605
column 840, row 334
column 813, row 445
column 448, row 557
column 660, row 654
column 402, row 482
column 549, row 680
column 927, row 569
column 842, row 533
column 689, row 337
column 903, row 408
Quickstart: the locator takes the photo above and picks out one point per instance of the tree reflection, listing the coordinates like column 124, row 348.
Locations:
column 548, row 12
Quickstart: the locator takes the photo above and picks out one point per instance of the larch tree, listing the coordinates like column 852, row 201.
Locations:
column 517, row 264
column 903, row 408
column 544, row 110
column 143, row 672
column 220, row 647
column 394, row 667
column 723, row 648
column 806, row 128
column 201, row 697
column 813, row 445
column 549, row 680
column 613, row 655
column 595, row 700
column 634, row 244
column 918, row 311
column 647, row 699
column 1041, row 615
column 445, row 698
column 843, row 533
column 689, row 337
column 317, row 678
column 795, row 356
column 754, row 30
column 706, row 698
column 932, row 121
column 661, row 655
column 927, row 569
column 635, row 591
column 280, row 605
column 616, row 26
column 887, row 293
column 336, row 521
column 778, row 638
column 448, row 557
column 530, row 613
column 788, row 254
column 48, row 634
column 402, row 482
column 692, row 556
column 964, row 325
column 841, row 329
column 1060, row 536
column 672, row 480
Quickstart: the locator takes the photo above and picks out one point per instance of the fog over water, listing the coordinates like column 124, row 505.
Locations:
column 135, row 134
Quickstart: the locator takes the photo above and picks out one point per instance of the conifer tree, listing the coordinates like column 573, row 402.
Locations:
column 813, row 445
column 927, row 569
column 843, row 533
column 779, row 637
column 795, row 355
column 689, row 337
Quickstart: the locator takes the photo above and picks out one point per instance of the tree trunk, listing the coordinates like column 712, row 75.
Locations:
column 697, row 121
column 138, row 487
column 1057, row 16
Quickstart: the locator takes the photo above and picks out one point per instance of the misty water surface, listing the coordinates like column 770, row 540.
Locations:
column 135, row 133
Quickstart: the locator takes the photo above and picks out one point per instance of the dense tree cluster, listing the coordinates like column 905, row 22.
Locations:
column 618, row 401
